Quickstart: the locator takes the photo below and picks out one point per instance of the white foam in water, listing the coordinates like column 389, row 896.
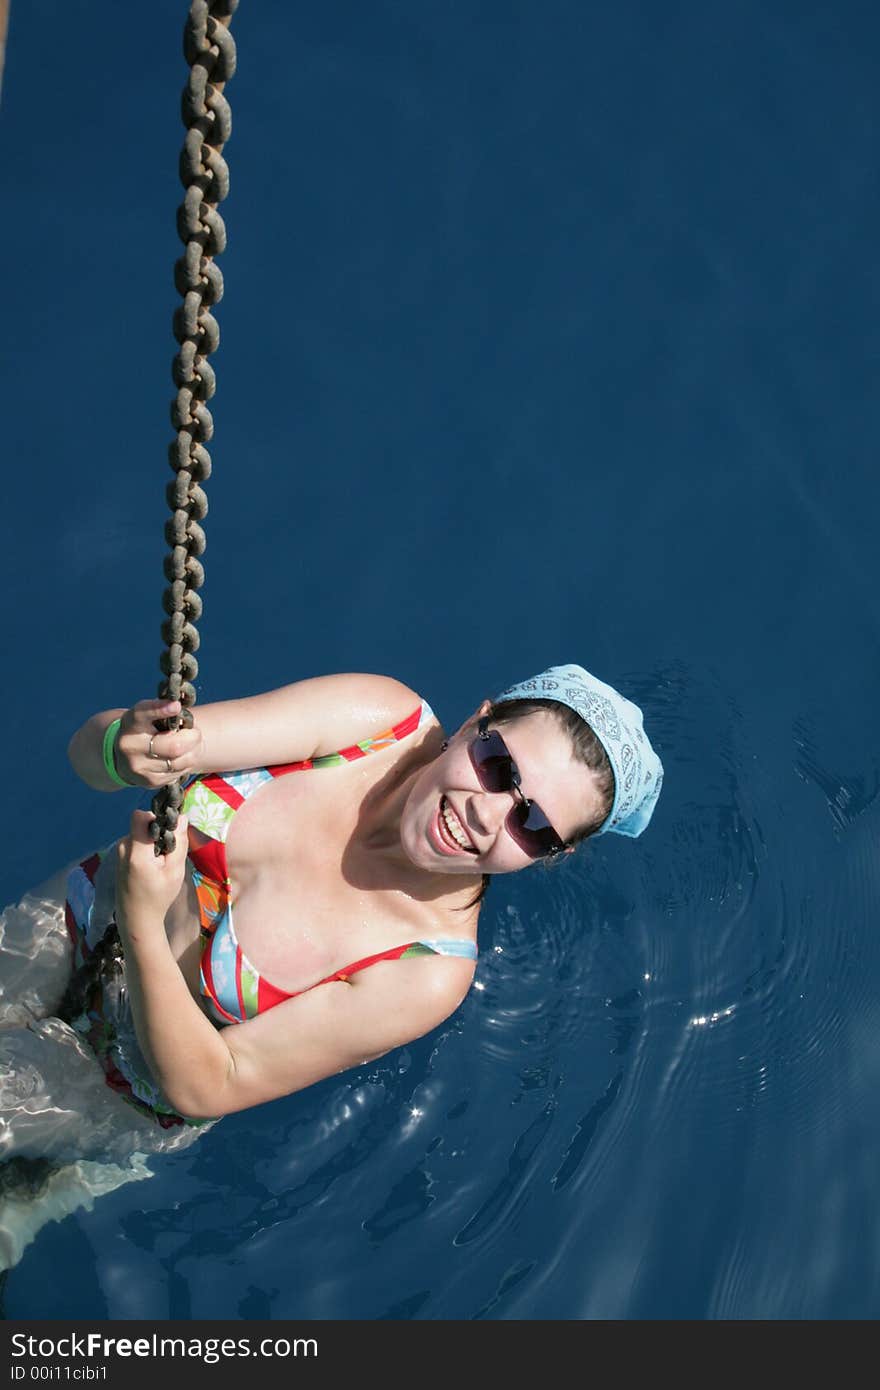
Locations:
column 74, row 1186
column 55, row 1104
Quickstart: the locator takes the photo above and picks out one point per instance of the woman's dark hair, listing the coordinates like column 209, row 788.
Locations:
column 587, row 748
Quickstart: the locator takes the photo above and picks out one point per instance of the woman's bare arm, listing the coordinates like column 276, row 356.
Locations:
column 298, row 721
column 204, row 1072
column 337, row 1026
column 305, row 720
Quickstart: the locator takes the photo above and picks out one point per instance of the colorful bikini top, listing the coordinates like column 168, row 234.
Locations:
column 233, row 986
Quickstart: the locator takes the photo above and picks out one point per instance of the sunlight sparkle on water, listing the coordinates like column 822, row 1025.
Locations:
column 704, row 1019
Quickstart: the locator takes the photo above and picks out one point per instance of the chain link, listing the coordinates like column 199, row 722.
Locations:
column 209, row 49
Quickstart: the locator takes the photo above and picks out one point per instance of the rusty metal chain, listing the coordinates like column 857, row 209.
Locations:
column 209, row 49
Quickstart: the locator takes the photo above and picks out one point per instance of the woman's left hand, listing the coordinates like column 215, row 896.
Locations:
column 147, row 883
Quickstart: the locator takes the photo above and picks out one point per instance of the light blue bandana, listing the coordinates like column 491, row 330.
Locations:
column 617, row 723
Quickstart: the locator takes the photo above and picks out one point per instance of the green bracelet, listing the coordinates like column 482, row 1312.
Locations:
column 108, row 750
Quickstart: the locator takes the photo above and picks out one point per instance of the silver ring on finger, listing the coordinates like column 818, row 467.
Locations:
column 150, row 753
column 168, row 766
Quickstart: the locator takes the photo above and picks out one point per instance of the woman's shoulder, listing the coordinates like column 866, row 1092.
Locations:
column 374, row 693
column 363, row 705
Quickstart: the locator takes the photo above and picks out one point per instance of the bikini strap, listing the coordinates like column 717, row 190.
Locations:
column 426, row 947
column 420, row 716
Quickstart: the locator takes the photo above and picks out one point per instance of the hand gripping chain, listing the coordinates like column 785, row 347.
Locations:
column 209, row 49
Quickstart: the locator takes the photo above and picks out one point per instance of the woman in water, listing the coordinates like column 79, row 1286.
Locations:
column 329, row 917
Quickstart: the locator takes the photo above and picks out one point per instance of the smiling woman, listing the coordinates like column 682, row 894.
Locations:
column 331, row 917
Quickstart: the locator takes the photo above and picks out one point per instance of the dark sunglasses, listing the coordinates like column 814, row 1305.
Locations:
column 526, row 823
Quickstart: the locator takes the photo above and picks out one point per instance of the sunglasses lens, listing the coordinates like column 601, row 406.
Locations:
column 532, row 831
column 492, row 762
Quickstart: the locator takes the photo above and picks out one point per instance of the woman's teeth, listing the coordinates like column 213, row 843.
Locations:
column 453, row 825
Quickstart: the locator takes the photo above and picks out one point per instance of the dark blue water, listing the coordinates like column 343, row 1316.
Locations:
column 549, row 334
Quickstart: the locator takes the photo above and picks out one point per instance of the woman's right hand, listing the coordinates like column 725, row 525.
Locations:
column 146, row 758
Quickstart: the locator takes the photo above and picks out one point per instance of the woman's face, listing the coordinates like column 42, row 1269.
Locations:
column 449, row 790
